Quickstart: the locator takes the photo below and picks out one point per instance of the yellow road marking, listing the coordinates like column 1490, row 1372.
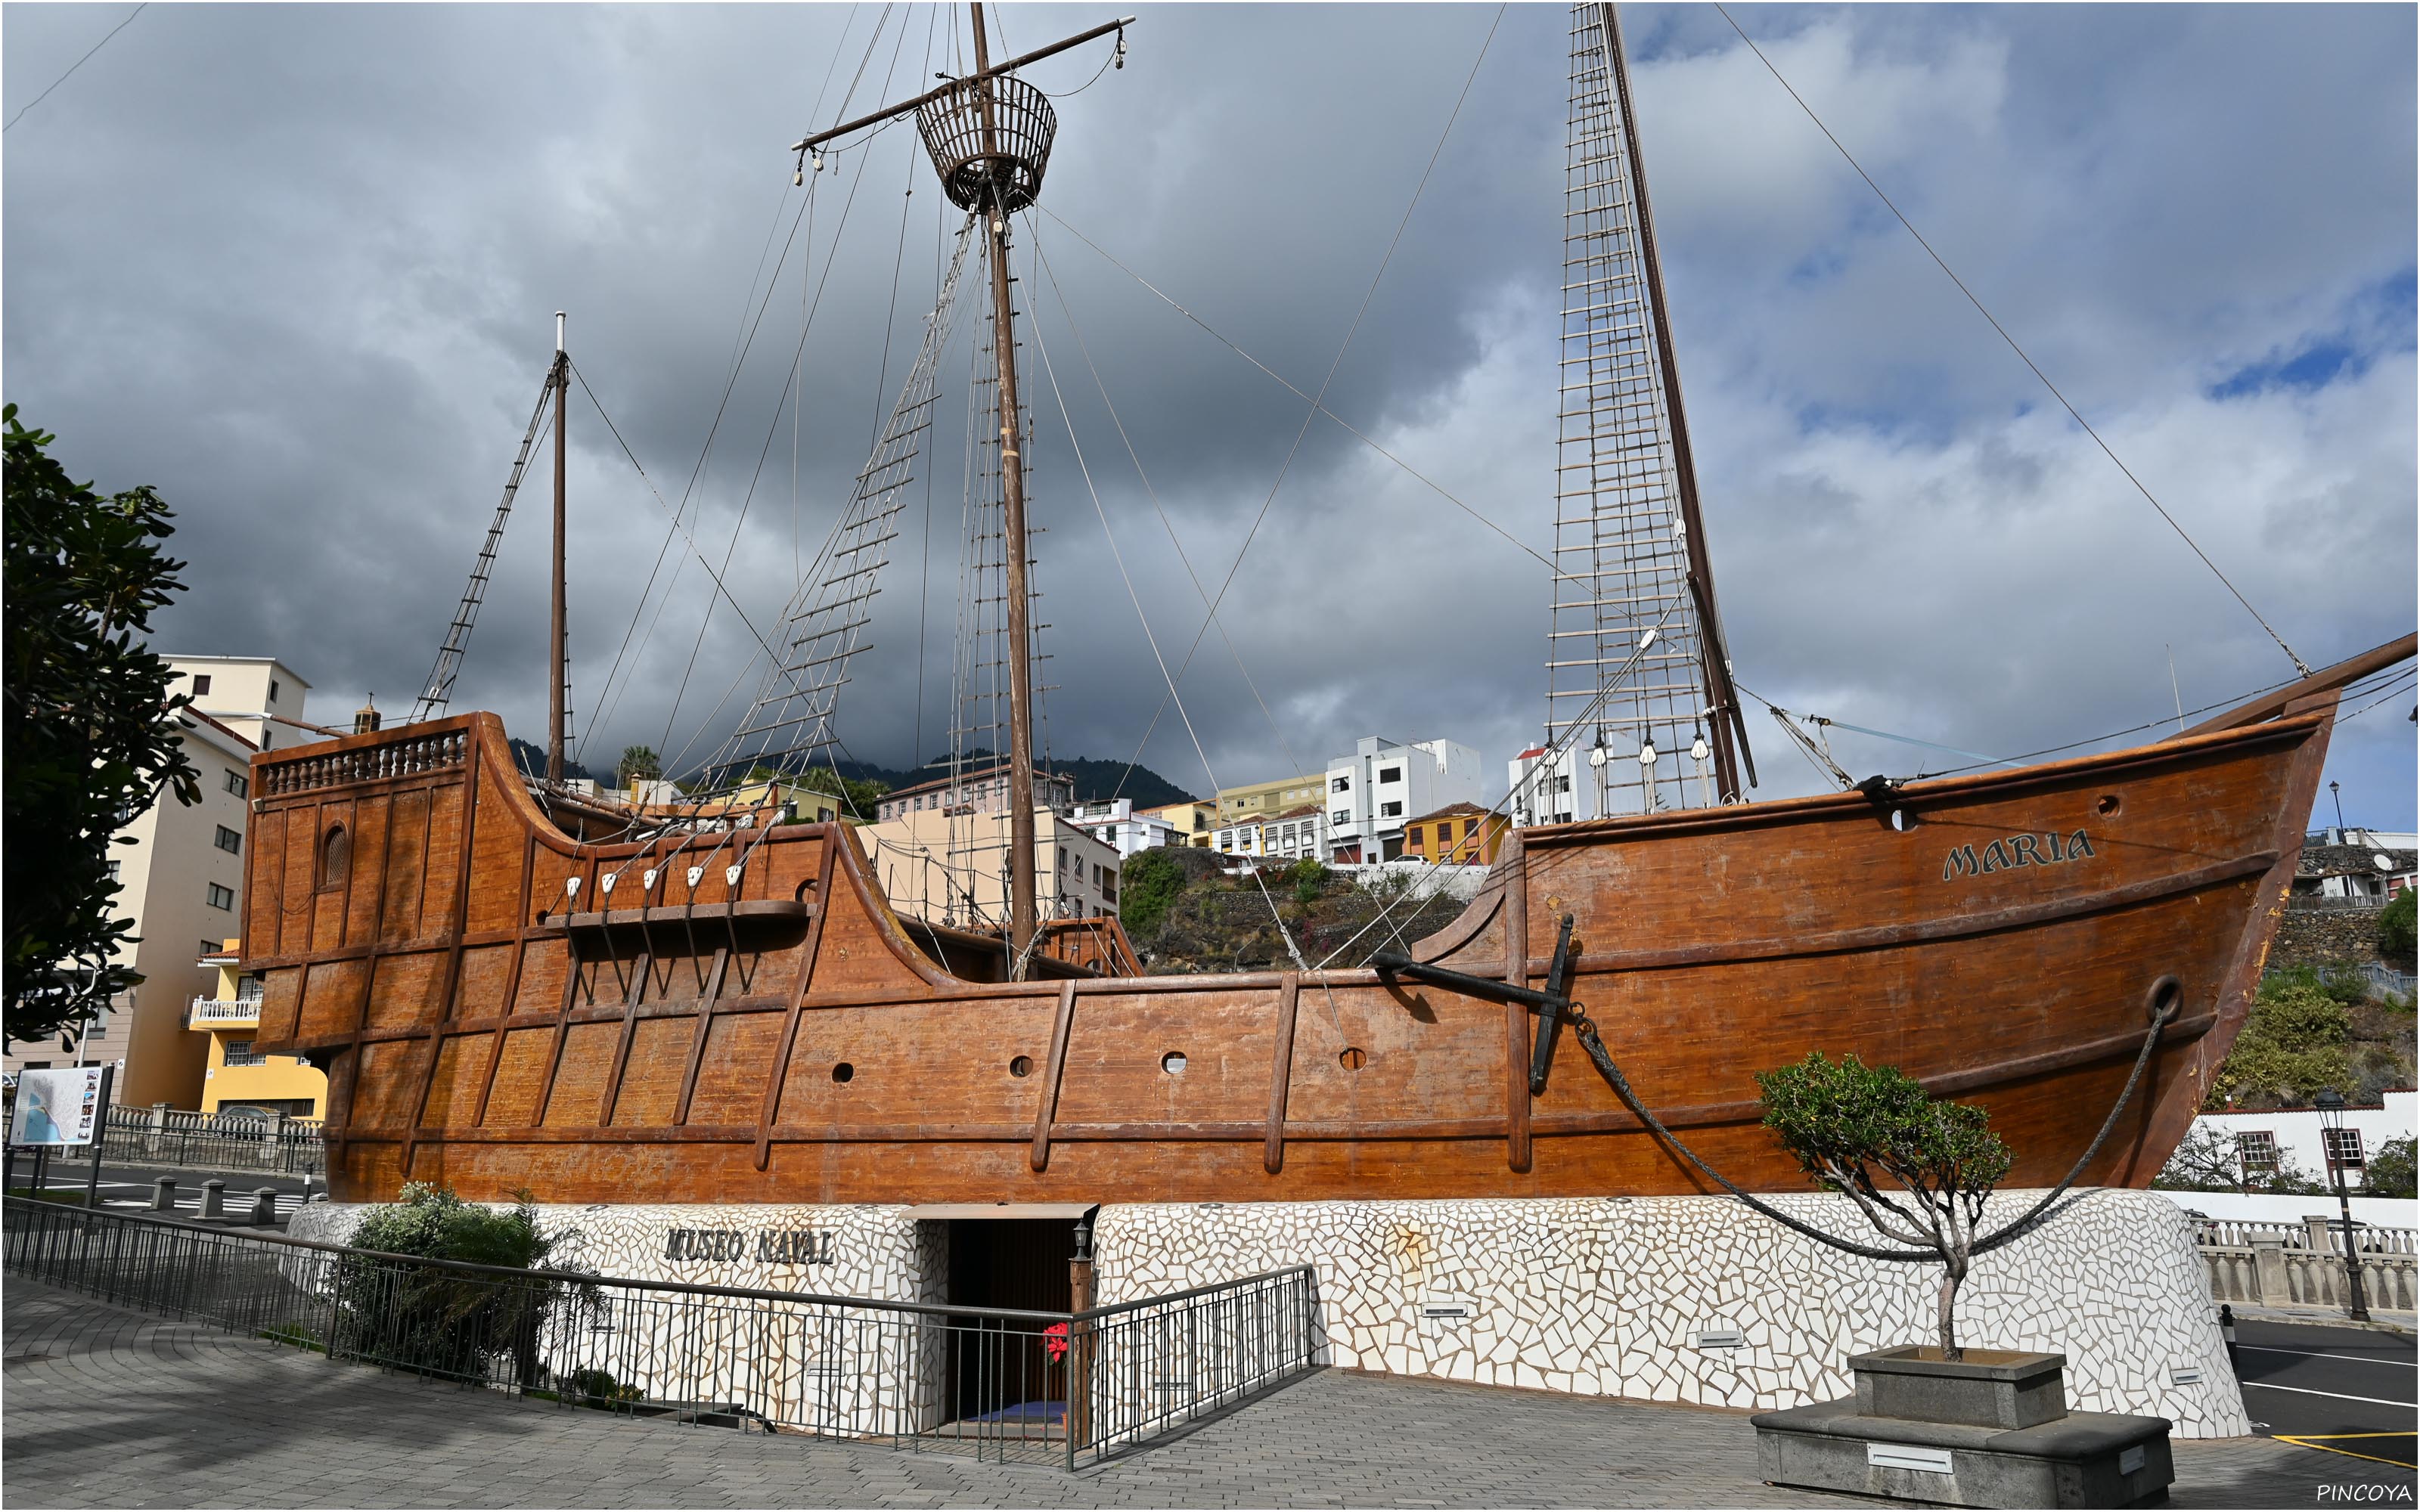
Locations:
column 2319, row 1441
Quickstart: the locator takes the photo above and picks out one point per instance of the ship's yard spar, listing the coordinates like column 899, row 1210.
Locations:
column 510, row 972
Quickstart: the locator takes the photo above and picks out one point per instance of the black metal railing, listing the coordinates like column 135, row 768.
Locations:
column 1056, row 1388
column 147, row 1137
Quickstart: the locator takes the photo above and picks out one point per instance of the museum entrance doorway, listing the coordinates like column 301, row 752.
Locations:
column 1007, row 1377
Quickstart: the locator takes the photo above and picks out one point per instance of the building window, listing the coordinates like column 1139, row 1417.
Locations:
column 113, row 870
column 238, row 783
column 239, row 1053
column 222, row 896
column 1342, row 784
column 212, row 948
column 1563, row 784
column 1390, row 810
column 1341, row 816
column 1390, row 774
column 267, row 737
column 336, row 857
column 2259, row 1150
column 229, row 840
column 272, row 690
column 201, row 685
column 2343, row 1147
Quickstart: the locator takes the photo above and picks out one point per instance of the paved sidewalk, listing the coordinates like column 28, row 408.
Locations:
column 113, row 1409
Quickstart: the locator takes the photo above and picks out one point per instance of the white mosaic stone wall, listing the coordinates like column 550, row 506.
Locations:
column 844, row 1370
column 1607, row 1296
column 1612, row 1296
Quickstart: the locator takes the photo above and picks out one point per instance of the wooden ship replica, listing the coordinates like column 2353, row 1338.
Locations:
column 512, row 986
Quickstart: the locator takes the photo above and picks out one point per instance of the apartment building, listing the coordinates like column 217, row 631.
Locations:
column 1374, row 791
column 985, row 790
column 951, row 868
column 234, row 1075
column 1262, row 800
column 180, row 880
column 259, row 698
column 1550, row 788
column 1297, row 834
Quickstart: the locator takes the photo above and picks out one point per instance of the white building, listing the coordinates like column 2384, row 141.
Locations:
column 1372, row 792
column 1297, row 834
column 259, row 698
column 1550, row 789
column 2294, row 1137
column 1114, row 823
column 181, row 882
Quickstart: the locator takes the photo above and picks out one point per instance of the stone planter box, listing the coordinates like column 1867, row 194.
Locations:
column 1992, row 1429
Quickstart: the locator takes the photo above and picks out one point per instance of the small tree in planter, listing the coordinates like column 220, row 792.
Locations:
column 1849, row 1123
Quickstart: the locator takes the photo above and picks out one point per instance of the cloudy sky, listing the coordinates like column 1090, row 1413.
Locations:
column 296, row 266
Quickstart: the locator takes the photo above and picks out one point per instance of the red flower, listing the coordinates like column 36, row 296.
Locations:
column 1054, row 1341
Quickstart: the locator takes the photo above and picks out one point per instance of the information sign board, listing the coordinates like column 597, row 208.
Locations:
column 58, row 1108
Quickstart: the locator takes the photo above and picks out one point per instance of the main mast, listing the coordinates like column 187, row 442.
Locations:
column 990, row 137
column 1022, row 906
column 557, row 647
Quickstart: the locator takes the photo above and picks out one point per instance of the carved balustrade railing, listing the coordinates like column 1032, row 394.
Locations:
column 435, row 752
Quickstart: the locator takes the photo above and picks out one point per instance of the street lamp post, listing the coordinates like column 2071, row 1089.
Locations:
column 2336, row 793
column 2330, row 1106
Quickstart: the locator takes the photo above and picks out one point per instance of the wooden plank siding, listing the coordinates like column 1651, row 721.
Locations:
column 1999, row 948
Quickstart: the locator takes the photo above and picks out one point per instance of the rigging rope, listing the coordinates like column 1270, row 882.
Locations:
column 1584, row 1029
column 1317, row 400
column 2013, row 346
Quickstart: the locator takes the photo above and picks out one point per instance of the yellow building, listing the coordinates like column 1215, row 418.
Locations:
column 233, row 1074
column 1192, row 820
column 1265, row 800
column 1460, row 834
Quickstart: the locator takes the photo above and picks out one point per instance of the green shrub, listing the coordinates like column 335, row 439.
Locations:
column 2390, row 1170
column 447, row 1322
column 1847, row 1122
column 1309, row 880
column 2292, row 1044
column 2396, row 930
column 1147, row 886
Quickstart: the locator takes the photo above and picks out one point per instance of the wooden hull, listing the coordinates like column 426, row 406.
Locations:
column 783, row 1039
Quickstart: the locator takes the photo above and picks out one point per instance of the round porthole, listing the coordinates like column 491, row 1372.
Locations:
column 843, row 1071
column 1354, row 1057
column 2110, row 803
column 1172, row 1063
column 1021, row 1066
column 1902, row 820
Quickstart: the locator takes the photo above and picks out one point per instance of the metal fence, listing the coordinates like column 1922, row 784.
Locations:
column 1053, row 1388
column 171, row 1136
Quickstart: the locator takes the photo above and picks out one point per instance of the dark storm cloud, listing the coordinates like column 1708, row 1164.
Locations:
column 295, row 267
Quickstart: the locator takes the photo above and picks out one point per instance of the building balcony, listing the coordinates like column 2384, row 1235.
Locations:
column 223, row 1013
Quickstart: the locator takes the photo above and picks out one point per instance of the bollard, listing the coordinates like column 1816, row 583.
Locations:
column 163, row 1193
column 264, row 1207
column 214, row 1198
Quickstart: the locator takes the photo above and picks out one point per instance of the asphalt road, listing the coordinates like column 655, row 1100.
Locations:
column 130, row 1186
column 2349, row 1391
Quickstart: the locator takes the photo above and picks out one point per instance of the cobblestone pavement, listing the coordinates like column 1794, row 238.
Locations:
column 114, row 1409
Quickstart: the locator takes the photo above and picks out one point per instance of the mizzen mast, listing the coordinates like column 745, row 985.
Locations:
column 1660, row 727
